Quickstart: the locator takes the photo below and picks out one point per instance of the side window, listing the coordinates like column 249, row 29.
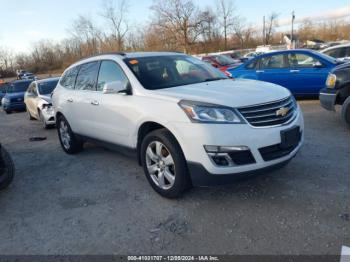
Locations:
column 86, row 79
column 30, row 89
column 347, row 52
column 68, row 80
column 110, row 72
column 35, row 90
column 333, row 53
column 273, row 62
column 252, row 64
column 342, row 52
column 302, row 60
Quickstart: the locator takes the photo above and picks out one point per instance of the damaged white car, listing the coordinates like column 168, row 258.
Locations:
column 38, row 101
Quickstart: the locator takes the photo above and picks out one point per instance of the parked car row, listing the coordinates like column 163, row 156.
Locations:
column 32, row 96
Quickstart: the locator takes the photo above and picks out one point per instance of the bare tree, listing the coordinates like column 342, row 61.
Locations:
column 179, row 18
column 226, row 16
column 87, row 35
column 272, row 23
column 114, row 12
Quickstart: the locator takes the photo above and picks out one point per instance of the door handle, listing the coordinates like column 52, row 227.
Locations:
column 95, row 103
column 294, row 71
column 260, row 71
column 70, row 100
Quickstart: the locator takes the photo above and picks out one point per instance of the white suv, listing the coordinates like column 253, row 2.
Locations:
column 187, row 123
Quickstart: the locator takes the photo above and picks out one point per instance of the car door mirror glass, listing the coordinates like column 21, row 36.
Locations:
column 114, row 87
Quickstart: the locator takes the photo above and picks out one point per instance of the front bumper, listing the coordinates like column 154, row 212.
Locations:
column 49, row 117
column 14, row 106
column 193, row 137
column 328, row 98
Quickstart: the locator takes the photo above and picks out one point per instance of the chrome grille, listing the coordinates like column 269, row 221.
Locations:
column 264, row 115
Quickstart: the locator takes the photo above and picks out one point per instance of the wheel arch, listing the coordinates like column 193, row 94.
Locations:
column 344, row 93
column 147, row 127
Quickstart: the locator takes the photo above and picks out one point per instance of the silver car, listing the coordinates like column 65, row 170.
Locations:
column 38, row 101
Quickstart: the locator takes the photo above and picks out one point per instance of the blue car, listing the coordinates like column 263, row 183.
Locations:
column 303, row 72
column 2, row 91
column 14, row 97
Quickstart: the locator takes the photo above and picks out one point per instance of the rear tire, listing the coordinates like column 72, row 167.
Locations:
column 7, row 169
column 164, row 164
column 70, row 143
column 346, row 111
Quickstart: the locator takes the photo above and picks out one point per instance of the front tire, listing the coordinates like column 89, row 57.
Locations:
column 69, row 142
column 29, row 115
column 346, row 111
column 7, row 169
column 164, row 164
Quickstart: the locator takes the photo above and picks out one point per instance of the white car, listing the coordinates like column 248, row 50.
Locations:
column 340, row 52
column 38, row 101
column 186, row 122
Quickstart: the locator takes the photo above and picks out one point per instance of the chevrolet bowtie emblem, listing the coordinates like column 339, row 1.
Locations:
column 283, row 111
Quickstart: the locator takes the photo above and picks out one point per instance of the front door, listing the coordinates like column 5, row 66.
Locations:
column 113, row 114
column 309, row 73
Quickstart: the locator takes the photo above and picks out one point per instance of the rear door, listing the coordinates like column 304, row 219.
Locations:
column 274, row 69
column 66, row 97
column 82, row 97
column 309, row 73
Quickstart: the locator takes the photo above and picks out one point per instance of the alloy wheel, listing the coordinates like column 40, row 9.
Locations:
column 160, row 165
column 64, row 133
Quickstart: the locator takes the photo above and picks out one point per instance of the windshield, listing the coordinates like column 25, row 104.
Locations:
column 224, row 60
column 160, row 72
column 329, row 58
column 46, row 88
column 18, row 87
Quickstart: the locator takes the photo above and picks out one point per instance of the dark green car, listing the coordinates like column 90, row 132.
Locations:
column 337, row 91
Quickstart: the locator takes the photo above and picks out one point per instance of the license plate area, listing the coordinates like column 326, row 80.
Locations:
column 290, row 138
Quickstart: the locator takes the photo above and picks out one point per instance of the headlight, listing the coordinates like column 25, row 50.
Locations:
column 331, row 81
column 5, row 101
column 48, row 109
column 209, row 113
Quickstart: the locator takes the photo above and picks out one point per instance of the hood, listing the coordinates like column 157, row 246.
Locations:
column 232, row 93
column 342, row 66
column 47, row 98
column 15, row 95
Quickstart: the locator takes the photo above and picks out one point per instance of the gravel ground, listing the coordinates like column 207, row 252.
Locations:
column 99, row 202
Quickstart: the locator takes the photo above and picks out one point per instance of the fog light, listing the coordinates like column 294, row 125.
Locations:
column 228, row 156
column 220, row 160
column 225, row 149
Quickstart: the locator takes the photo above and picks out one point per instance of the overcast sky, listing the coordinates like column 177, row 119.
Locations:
column 24, row 22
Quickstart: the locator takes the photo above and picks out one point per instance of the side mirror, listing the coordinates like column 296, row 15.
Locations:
column 115, row 88
column 318, row 64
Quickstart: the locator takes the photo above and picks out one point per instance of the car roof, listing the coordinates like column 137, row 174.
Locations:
column 289, row 51
column 51, row 79
column 336, row 47
column 21, row 81
column 134, row 54
column 128, row 55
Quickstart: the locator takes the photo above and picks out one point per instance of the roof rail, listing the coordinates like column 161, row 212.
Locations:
column 108, row 53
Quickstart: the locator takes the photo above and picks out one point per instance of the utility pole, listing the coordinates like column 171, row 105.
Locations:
column 292, row 35
column 264, row 30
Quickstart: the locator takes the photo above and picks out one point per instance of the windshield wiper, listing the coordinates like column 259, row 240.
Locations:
column 214, row 79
